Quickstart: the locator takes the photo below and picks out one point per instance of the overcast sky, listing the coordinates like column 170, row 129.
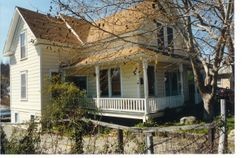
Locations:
column 7, row 8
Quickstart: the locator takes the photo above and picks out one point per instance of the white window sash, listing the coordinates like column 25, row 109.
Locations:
column 24, row 81
column 23, row 51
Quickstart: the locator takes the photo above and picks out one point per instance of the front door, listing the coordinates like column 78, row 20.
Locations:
column 151, row 81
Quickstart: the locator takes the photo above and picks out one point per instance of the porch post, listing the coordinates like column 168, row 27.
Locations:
column 109, row 83
column 145, row 83
column 97, row 75
column 181, row 79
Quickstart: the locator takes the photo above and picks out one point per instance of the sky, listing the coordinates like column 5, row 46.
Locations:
column 7, row 8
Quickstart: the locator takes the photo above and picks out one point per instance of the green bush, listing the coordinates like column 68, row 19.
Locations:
column 64, row 112
column 4, row 141
column 24, row 141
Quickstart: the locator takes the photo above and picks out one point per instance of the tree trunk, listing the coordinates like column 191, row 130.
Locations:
column 208, row 108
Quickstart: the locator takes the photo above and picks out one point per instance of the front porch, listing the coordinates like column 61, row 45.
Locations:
column 138, row 86
column 136, row 108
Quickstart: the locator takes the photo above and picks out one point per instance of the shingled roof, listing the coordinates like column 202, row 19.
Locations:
column 48, row 27
column 55, row 29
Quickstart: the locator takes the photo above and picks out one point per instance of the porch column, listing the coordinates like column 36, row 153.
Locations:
column 145, row 83
column 97, row 76
column 109, row 83
column 181, row 79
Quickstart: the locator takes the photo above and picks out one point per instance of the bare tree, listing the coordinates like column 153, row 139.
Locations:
column 206, row 27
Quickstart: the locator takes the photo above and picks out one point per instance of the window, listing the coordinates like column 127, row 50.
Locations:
column 23, row 45
column 104, row 83
column 115, row 82
column 172, row 83
column 170, row 37
column 165, row 36
column 79, row 81
column 160, row 36
column 16, row 118
column 110, row 82
column 151, row 80
column 24, row 85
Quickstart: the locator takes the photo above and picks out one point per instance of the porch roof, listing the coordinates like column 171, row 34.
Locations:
column 125, row 55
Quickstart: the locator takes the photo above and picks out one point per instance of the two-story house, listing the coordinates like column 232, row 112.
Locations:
column 131, row 63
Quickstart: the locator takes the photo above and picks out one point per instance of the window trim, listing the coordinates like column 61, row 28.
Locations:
column 26, row 85
column 111, row 88
column 25, row 45
column 165, row 37
column 110, row 93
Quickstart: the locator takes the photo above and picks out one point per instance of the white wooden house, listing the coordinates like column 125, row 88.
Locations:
column 125, row 79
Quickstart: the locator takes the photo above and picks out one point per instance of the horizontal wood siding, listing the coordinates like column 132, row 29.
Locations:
column 50, row 61
column 32, row 66
column 129, row 80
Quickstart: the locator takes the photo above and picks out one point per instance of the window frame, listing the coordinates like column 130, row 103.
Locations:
column 111, row 82
column 166, row 42
column 26, row 85
column 165, row 27
column 110, row 92
column 25, row 45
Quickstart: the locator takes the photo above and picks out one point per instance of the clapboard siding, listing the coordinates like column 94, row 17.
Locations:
column 50, row 61
column 160, row 83
column 129, row 80
column 32, row 65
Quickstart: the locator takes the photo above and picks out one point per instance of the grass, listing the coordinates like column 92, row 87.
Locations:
column 152, row 123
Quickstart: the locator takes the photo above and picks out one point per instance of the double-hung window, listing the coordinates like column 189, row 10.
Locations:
column 165, row 38
column 110, row 82
column 23, row 51
column 24, row 77
column 115, row 82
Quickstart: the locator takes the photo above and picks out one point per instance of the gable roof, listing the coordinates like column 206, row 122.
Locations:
column 69, row 30
column 42, row 26
column 48, row 27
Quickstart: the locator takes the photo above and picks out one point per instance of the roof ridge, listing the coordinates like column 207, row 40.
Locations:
column 25, row 9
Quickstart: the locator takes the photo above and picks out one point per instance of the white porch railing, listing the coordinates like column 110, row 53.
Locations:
column 157, row 104
column 122, row 104
column 138, row 104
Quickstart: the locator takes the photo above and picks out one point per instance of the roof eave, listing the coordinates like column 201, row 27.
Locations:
column 11, row 33
column 12, row 29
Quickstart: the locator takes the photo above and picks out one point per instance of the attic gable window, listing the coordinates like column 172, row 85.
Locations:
column 22, row 38
column 165, row 38
column 170, row 38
